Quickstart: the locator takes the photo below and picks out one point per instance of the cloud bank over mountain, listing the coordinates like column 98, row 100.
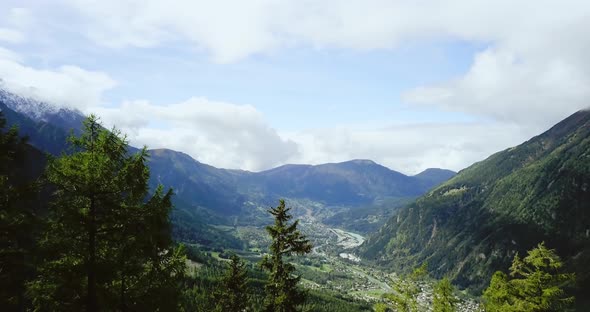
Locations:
column 530, row 70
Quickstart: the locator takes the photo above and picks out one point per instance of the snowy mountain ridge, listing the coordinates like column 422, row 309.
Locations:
column 41, row 111
column 35, row 109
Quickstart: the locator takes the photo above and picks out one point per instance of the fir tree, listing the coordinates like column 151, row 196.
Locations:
column 443, row 299
column 105, row 248
column 17, row 220
column 499, row 296
column 536, row 283
column 233, row 295
column 282, row 294
column 380, row 307
column 406, row 290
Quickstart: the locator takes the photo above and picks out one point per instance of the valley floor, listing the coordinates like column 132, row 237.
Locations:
column 333, row 264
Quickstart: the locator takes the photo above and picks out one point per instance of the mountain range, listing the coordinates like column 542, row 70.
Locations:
column 206, row 194
column 464, row 226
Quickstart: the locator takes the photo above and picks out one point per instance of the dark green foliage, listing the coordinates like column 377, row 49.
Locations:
column 201, row 287
column 104, row 247
column 233, row 294
column 536, row 284
column 282, row 294
column 473, row 224
column 327, row 301
column 193, row 226
column 17, row 216
column 381, row 307
column 443, row 299
column 499, row 295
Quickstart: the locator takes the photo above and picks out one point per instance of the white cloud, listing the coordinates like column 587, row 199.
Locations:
column 535, row 68
column 230, row 30
column 9, row 55
column 234, row 29
column 68, row 86
column 217, row 133
column 410, row 148
column 21, row 18
column 222, row 134
column 533, row 71
column 11, row 36
column 238, row 136
column 521, row 88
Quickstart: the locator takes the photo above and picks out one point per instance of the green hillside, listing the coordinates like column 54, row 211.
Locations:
column 473, row 224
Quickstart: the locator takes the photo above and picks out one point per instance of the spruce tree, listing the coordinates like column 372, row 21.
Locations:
column 380, row 307
column 443, row 299
column 105, row 248
column 406, row 290
column 499, row 296
column 282, row 294
column 233, row 295
column 536, row 283
column 17, row 219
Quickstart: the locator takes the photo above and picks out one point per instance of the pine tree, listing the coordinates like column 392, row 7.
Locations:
column 443, row 299
column 406, row 290
column 17, row 220
column 380, row 307
column 233, row 295
column 151, row 270
column 282, row 294
column 536, row 283
column 499, row 295
column 105, row 248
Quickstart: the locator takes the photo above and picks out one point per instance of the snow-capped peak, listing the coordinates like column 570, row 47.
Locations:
column 34, row 109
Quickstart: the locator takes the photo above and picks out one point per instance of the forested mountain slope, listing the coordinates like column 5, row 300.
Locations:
column 354, row 182
column 473, row 224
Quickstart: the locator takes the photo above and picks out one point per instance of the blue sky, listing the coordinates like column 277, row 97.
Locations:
column 297, row 88
column 258, row 84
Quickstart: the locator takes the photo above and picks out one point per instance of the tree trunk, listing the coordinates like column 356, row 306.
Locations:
column 123, row 304
column 91, row 266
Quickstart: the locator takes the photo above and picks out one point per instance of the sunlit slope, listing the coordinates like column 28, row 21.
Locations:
column 474, row 223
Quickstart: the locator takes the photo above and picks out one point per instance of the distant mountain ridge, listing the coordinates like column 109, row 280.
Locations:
column 42, row 112
column 433, row 176
column 353, row 182
column 474, row 223
column 206, row 195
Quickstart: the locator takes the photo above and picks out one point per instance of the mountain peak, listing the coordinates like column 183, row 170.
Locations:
column 168, row 153
column 39, row 111
column 361, row 162
column 430, row 171
column 34, row 109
